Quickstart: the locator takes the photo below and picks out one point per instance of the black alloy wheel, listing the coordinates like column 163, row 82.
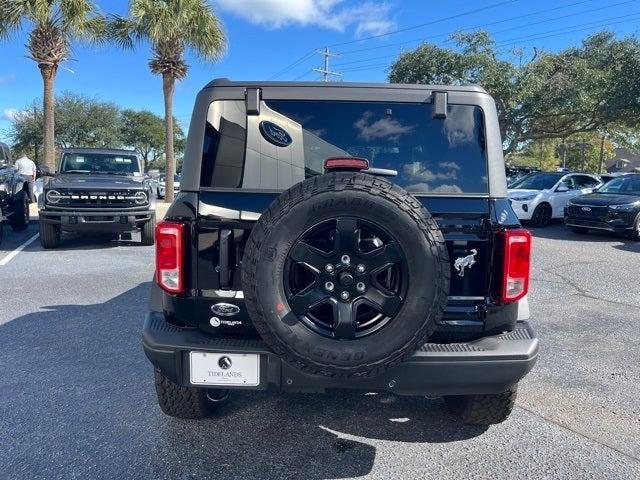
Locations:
column 345, row 278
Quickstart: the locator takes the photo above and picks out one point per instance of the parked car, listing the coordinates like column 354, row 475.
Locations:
column 516, row 173
column 14, row 197
column 614, row 207
column 335, row 236
column 605, row 177
column 96, row 190
column 540, row 197
column 162, row 185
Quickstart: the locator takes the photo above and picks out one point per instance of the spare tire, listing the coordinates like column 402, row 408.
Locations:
column 345, row 274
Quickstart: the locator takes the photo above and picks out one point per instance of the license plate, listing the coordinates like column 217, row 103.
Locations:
column 225, row 368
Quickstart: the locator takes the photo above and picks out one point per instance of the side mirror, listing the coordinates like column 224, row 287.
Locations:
column 46, row 171
column 563, row 187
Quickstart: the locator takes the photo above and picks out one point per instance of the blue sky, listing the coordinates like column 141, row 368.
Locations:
column 267, row 36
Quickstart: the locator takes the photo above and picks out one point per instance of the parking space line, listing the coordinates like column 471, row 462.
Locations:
column 11, row 256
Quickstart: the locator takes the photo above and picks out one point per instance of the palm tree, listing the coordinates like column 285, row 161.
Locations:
column 171, row 27
column 55, row 24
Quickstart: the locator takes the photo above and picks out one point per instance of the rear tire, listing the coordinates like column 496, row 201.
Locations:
column 186, row 402
column 541, row 216
column 49, row 235
column 147, row 233
column 486, row 409
column 19, row 220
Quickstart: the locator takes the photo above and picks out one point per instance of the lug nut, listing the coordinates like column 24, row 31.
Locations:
column 344, row 295
column 329, row 268
column 329, row 286
column 360, row 268
column 360, row 287
column 345, row 259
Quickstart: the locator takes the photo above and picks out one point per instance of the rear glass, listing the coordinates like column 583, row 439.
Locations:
column 290, row 140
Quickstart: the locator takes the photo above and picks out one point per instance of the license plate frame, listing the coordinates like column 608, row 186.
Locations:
column 243, row 369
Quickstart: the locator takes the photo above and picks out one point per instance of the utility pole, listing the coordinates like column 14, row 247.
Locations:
column 326, row 73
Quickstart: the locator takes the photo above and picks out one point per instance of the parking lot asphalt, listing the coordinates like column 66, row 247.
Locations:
column 77, row 397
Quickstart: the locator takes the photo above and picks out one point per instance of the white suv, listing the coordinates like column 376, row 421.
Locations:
column 540, row 197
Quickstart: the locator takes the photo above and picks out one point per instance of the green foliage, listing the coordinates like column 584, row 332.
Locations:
column 86, row 122
column 592, row 87
column 145, row 131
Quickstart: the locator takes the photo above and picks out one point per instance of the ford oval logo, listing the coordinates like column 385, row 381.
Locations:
column 586, row 209
column 225, row 309
column 275, row 134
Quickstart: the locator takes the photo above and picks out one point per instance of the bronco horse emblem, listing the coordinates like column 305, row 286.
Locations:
column 465, row 262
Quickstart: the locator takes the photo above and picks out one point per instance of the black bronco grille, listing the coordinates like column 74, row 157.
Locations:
column 98, row 198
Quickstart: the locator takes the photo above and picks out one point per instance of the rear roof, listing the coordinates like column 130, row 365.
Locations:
column 225, row 82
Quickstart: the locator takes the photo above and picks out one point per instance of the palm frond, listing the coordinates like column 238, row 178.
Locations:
column 11, row 15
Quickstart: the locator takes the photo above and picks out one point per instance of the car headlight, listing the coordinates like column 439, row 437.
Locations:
column 53, row 196
column 524, row 198
column 625, row 208
column 140, row 198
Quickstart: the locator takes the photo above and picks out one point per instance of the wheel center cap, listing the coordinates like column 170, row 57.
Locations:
column 346, row 279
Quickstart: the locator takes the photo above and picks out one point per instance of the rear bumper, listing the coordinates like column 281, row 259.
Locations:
column 488, row 365
column 97, row 220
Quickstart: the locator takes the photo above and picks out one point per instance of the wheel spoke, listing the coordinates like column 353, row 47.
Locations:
column 383, row 257
column 346, row 235
column 344, row 318
column 386, row 303
column 309, row 256
column 305, row 300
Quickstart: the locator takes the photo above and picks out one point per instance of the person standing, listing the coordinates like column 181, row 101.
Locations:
column 27, row 169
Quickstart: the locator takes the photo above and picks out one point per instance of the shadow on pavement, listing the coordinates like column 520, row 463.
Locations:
column 77, row 398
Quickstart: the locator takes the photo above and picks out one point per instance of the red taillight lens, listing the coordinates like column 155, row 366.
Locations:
column 516, row 265
column 346, row 163
column 170, row 237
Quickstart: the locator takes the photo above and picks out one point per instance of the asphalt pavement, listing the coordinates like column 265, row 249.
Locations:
column 77, row 397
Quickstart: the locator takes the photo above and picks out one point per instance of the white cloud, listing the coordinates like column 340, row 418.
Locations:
column 11, row 114
column 7, row 78
column 369, row 18
column 387, row 128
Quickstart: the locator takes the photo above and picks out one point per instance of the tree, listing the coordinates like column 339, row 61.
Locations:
column 81, row 122
column 171, row 27
column 55, row 24
column 145, row 131
column 550, row 96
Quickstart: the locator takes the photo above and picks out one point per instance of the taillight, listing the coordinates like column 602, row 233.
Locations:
column 346, row 163
column 170, row 238
column 516, row 265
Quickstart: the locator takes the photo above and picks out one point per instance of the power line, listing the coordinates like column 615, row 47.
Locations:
column 291, row 66
column 431, row 37
column 432, row 22
column 546, row 20
column 535, row 36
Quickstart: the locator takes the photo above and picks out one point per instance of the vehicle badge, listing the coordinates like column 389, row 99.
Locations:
column 225, row 363
column 586, row 209
column 462, row 263
column 225, row 309
column 275, row 134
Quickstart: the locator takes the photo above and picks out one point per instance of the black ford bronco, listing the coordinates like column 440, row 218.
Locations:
column 341, row 236
column 98, row 191
column 14, row 196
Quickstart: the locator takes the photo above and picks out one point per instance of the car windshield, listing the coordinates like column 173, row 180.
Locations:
column 103, row 163
column 627, row 185
column 538, row 181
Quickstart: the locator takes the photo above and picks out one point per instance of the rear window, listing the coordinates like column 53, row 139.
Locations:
column 290, row 140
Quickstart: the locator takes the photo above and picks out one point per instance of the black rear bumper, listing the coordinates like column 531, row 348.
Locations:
column 488, row 365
